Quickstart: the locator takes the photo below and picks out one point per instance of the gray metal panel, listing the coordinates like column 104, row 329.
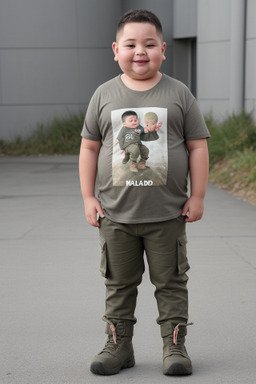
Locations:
column 250, row 70
column 250, row 78
column 213, row 56
column 97, row 21
column 35, row 23
column 181, row 60
column 213, row 20
column 184, row 18
column 39, row 76
column 57, row 23
column 213, row 73
column 53, row 76
column 251, row 25
column 53, row 54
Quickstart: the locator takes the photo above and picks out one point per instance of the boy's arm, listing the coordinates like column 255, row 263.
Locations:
column 88, row 159
column 120, row 138
column 150, row 136
column 159, row 125
column 199, row 169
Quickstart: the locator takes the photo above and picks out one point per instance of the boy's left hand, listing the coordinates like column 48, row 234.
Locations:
column 159, row 125
column 193, row 209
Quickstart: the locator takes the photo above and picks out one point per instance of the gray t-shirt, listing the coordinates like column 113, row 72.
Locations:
column 158, row 192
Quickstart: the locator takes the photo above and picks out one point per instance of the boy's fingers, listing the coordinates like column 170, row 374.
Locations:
column 185, row 210
column 92, row 220
column 100, row 211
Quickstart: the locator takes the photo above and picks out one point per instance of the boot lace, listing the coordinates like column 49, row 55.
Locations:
column 110, row 346
column 112, row 327
column 176, row 331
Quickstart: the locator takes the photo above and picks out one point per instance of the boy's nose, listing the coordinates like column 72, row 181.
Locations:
column 141, row 51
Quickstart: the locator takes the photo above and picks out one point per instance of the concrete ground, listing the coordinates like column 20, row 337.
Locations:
column 52, row 293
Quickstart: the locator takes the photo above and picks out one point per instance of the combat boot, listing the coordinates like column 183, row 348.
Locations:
column 118, row 351
column 126, row 158
column 133, row 167
column 142, row 165
column 176, row 360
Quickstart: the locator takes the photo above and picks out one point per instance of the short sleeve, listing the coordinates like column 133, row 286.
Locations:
column 194, row 124
column 91, row 129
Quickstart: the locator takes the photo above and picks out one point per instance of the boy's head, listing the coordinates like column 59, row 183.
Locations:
column 130, row 119
column 139, row 47
column 139, row 16
column 150, row 119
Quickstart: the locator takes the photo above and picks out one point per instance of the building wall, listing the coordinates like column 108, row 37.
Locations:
column 213, row 58
column 184, row 42
column 184, row 19
column 226, row 72
column 53, row 53
column 250, row 62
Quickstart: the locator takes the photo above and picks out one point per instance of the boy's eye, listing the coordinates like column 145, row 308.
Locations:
column 130, row 46
column 150, row 45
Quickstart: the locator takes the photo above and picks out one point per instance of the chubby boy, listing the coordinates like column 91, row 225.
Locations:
column 130, row 226
column 129, row 140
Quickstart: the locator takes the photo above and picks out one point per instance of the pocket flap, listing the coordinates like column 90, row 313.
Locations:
column 103, row 258
column 183, row 265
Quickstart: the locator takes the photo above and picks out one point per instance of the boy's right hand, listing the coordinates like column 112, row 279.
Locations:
column 92, row 208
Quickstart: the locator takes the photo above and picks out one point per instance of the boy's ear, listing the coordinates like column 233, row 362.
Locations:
column 164, row 45
column 115, row 50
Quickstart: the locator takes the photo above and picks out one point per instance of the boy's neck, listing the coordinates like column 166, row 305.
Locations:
column 140, row 85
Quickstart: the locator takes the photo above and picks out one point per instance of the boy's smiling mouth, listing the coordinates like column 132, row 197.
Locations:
column 141, row 62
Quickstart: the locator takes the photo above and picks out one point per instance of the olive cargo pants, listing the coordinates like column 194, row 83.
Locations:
column 122, row 264
column 136, row 149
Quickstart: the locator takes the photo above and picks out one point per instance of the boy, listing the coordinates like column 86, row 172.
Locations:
column 129, row 224
column 151, row 122
column 131, row 143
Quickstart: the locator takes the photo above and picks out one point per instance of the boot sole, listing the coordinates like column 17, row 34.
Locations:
column 177, row 369
column 98, row 368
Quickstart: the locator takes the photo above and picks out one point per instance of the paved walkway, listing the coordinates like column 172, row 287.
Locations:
column 52, row 294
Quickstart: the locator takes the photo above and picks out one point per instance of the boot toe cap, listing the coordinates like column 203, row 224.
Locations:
column 177, row 366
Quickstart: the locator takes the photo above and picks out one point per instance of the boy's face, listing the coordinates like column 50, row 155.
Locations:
column 139, row 50
column 150, row 125
column 131, row 122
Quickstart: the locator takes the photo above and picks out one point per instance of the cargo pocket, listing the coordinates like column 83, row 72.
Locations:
column 183, row 265
column 103, row 258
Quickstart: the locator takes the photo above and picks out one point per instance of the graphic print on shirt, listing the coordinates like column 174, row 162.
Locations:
column 140, row 155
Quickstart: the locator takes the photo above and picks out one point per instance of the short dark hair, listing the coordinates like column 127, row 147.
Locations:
column 139, row 16
column 128, row 113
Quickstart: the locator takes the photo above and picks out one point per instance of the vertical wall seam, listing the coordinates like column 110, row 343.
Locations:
column 237, row 42
column 244, row 51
